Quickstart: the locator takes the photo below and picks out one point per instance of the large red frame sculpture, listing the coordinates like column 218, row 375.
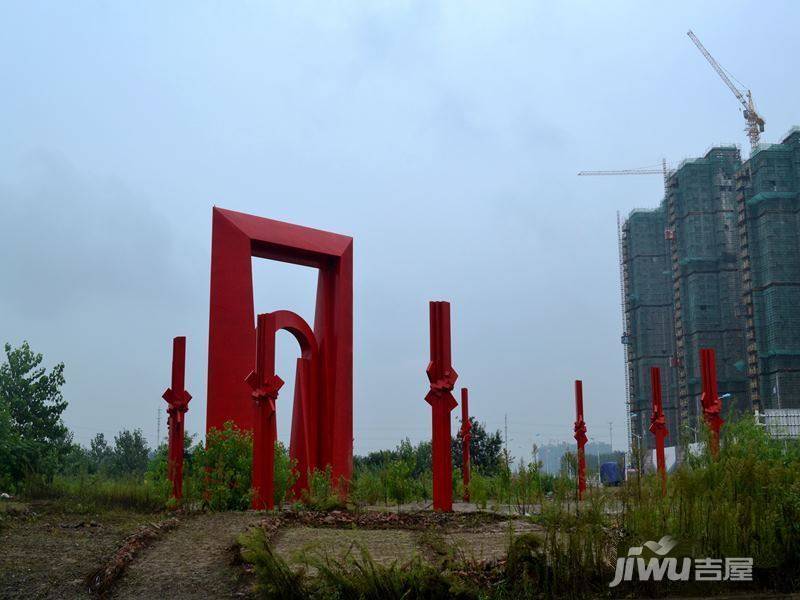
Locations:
column 326, row 429
column 580, row 437
column 658, row 426
column 712, row 405
column 466, row 436
column 442, row 379
column 178, row 400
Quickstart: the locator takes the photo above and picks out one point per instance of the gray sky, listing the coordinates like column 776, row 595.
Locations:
column 444, row 137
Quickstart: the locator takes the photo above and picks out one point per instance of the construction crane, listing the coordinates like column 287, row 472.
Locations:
column 755, row 123
column 644, row 171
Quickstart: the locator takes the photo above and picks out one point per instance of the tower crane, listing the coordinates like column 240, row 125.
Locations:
column 755, row 123
column 644, row 171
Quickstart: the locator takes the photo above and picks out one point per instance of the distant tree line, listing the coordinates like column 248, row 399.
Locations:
column 34, row 442
column 486, row 453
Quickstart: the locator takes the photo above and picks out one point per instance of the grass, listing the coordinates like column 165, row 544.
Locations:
column 355, row 576
column 92, row 493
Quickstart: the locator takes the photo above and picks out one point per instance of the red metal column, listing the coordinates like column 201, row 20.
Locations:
column 712, row 405
column 178, row 400
column 466, row 436
column 265, row 385
column 442, row 378
column 658, row 426
column 580, row 437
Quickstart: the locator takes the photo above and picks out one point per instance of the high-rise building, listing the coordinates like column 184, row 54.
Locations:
column 649, row 316
column 683, row 286
column 707, row 279
column 768, row 195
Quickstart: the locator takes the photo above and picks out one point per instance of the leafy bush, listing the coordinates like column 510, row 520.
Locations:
column 365, row 488
column 479, row 489
column 285, row 474
column 322, row 493
column 220, row 471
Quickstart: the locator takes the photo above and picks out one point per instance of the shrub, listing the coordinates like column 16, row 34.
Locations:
column 275, row 579
column 365, row 488
column 285, row 474
column 321, row 493
column 220, row 471
column 479, row 489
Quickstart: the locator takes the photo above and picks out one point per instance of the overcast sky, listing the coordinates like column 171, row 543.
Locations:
column 444, row 137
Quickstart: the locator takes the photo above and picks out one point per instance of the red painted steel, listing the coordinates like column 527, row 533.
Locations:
column 178, row 400
column 466, row 436
column 712, row 405
column 658, row 426
column 265, row 385
column 580, row 437
column 442, row 379
column 323, row 430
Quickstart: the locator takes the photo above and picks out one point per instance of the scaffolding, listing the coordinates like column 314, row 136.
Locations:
column 707, row 278
column 649, row 318
column 769, row 226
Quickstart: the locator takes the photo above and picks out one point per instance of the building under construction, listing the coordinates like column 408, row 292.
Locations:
column 716, row 265
column 768, row 197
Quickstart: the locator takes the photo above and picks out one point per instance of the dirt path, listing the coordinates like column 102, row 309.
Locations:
column 193, row 561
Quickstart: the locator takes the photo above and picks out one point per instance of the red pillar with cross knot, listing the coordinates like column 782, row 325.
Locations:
column 580, row 437
column 442, row 379
column 178, row 400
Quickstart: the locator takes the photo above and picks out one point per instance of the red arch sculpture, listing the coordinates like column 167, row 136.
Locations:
column 266, row 384
column 325, row 434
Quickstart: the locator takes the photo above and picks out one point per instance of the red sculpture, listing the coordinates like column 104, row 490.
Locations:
column 712, row 405
column 266, row 385
column 442, row 378
column 322, row 421
column 178, row 400
column 658, row 426
column 580, row 437
column 466, row 436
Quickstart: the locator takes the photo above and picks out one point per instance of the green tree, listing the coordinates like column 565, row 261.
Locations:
column 100, row 454
column 31, row 405
column 130, row 454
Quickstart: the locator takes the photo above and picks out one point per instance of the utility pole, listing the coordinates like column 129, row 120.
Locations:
column 158, row 427
column 611, row 435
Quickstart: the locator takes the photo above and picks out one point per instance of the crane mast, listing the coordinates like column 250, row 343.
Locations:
column 754, row 121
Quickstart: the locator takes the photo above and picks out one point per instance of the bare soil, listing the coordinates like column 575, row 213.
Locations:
column 488, row 542
column 195, row 560
column 384, row 546
column 46, row 552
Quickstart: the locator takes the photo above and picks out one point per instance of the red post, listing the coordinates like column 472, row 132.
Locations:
column 712, row 405
column 466, row 436
column 178, row 400
column 265, row 385
column 580, row 437
column 442, row 378
column 658, row 426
